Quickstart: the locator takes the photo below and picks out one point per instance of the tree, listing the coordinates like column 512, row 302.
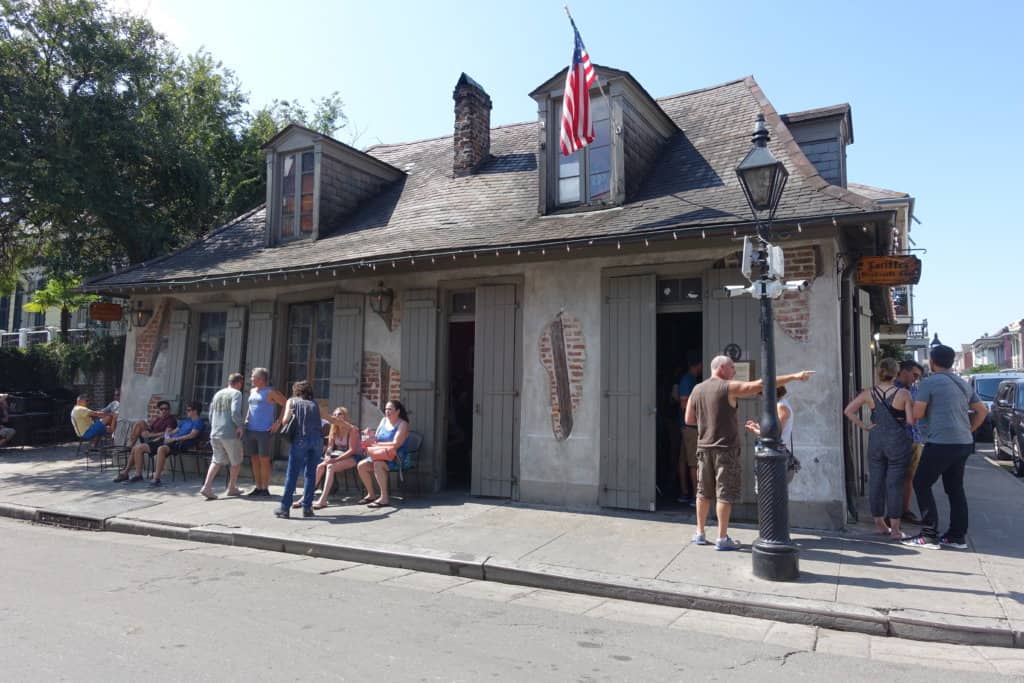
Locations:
column 61, row 294
column 977, row 369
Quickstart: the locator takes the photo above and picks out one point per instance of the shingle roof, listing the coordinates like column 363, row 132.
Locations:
column 876, row 193
column 692, row 186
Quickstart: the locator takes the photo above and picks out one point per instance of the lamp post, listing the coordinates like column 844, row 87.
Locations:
column 775, row 557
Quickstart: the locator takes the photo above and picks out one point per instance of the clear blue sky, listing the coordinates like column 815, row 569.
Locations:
column 936, row 91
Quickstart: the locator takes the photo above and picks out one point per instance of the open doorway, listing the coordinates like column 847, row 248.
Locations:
column 679, row 339
column 459, row 405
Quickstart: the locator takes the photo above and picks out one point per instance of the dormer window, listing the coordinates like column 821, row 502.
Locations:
column 584, row 177
column 297, row 195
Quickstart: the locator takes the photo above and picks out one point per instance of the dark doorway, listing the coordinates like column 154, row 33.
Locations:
column 680, row 338
column 459, row 405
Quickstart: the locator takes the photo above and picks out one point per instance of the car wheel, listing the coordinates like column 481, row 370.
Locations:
column 1018, row 461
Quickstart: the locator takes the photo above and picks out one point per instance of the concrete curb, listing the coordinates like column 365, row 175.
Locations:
column 912, row 624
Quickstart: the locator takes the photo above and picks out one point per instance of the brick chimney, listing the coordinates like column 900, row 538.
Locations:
column 472, row 125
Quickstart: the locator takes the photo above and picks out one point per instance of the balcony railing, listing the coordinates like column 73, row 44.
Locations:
column 918, row 331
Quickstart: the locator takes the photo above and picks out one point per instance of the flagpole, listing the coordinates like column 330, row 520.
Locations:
column 597, row 77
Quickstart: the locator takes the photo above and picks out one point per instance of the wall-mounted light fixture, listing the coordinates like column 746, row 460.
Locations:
column 381, row 299
column 140, row 314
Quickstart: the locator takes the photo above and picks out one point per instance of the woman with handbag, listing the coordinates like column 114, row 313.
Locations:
column 302, row 425
column 889, row 446
column 384, row 447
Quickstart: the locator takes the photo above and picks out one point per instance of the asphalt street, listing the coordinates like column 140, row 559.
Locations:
column 83, row 606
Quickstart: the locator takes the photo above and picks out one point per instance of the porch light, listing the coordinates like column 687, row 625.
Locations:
column 762, row 176
column 140, row 315
column 381, row 299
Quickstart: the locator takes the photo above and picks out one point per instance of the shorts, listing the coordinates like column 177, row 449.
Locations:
column 915, row 458
column 179, row 446
column 226, row 451
column 719, row 470
column 154, row 443
column 97, row 428
column 258, row 443
column 688, row 448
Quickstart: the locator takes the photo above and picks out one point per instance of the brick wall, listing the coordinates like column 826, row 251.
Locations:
column 380, row 382
column 564, row 398
column 149, row 339
column 793, row 310
column 472, row 138
column 151, row 410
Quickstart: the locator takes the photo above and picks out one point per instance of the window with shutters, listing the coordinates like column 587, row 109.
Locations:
column 309, row 345
column 209, row 365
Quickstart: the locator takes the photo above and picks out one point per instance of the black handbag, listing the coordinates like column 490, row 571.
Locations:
column 290, row 429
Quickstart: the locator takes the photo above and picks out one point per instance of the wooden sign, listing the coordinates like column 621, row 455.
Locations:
column 888, row 271
column 105, row 312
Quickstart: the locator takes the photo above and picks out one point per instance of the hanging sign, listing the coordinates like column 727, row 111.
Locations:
column 888, row 271
column 105, row 312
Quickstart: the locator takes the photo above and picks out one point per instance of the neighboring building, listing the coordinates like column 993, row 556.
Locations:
column 964, row 359
column 992, row 349
column 539, row 305
column 41, row 326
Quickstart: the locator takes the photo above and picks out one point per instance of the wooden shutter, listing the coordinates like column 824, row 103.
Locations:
column 234, row 341
column 735, row 320
column 495, row 392
column 347, row 353
column 177, row 343
column 628, row 406
column 419, row 368
column 260, row 342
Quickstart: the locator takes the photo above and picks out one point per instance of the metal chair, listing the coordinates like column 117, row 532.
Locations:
column 413, row 443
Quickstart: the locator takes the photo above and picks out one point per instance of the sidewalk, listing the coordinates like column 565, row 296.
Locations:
column 849, row 580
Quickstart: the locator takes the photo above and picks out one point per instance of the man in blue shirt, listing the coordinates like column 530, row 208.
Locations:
column 688, row 450
column 183, row 439
column 946, row 401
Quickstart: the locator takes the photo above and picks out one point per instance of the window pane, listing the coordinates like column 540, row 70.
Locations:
column 568, row 190
column 600, row 159
column 306, row 222
column 568, row 166
column 307, row 162
column 307, row 183
column 209, row 363
column 598, row 108
column 599, row 185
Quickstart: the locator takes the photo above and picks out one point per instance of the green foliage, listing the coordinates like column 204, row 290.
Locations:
column 46, row 366
column 60, row 293
column 113, row 148
column 978, row 369
column 893, row 350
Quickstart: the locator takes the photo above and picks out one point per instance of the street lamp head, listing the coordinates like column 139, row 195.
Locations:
column 761, row 175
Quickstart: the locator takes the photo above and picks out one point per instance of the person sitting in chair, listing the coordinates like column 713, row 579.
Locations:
column 152, row 435
column 89, row 424
column 184, row 439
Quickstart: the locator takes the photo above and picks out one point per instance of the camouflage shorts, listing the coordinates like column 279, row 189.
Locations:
column 719, row 474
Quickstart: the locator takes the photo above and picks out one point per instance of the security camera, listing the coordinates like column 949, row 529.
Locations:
column 798, row 285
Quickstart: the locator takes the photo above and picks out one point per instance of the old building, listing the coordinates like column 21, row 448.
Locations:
column 532, row 310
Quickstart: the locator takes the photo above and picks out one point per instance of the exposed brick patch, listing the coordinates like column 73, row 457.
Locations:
column 793, row 309
column 566, row 382
column 151, row 411
column 380, row 382
column 148, row 339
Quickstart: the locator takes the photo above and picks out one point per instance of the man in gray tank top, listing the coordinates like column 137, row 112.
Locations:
column 712, row 407
column 942, row 405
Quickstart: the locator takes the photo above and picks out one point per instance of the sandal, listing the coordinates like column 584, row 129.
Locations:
column 320, row 506
column 296, row 505
column 377, row 504
column 365, row 500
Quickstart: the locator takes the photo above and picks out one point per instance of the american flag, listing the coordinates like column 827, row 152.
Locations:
column 577, row 128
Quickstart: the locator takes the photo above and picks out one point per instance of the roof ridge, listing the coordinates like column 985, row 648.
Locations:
column 442, row 137
column 700, row 90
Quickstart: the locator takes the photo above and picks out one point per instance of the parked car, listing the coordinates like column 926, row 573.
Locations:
column 986, row 384
column 1008, row 422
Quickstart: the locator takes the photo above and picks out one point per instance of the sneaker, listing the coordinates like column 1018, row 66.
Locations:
column 920, row 541
column 950, row 542
column 283, row 514
column 727, row 544
column 121, row 476
column 698, row 539
column 254, row 493
column 233, row 492
column 308, row 512
column 156, row 483
column 134, row 478
column 208, row 494
column 265, row 493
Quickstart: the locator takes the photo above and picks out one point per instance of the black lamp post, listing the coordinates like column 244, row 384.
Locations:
column 775, row 557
